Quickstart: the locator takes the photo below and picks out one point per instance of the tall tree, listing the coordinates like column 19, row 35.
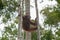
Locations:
column 20, row 37
column 38, row 31
column 27, row 6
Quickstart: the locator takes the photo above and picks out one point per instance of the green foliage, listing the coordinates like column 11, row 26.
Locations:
column 34, row 36
column 58, row 1
column 7, row 15
column 12, row 30
column 1, row 5
column 4, row 38
column 11, row 4
column 4, row 20
column 8, row 29
column 58, row 32
column 47, row 36
column 52, row 18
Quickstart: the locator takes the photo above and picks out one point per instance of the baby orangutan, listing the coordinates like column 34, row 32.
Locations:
column 26, row 23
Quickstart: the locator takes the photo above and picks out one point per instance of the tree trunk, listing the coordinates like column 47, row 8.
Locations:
column 28, row 35
column 38, row 31
column 27, row 8
column 20, row 36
